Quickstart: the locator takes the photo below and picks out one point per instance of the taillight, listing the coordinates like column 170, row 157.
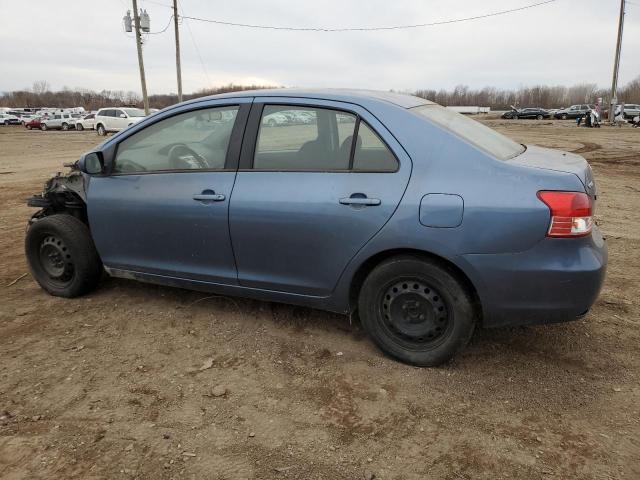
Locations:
column 571, row 213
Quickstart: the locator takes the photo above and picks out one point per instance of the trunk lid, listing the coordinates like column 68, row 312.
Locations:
column 559, row 161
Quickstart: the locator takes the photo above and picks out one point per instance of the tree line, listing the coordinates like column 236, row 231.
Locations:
column 537, row 96
column 41, row 95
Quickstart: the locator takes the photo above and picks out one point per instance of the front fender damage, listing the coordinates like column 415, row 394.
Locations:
column 63, row 193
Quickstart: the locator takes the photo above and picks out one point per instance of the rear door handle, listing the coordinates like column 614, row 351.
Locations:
column 352, row 200
column 209, row 197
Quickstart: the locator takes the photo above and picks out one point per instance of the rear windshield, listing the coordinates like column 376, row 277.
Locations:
column 494, row 143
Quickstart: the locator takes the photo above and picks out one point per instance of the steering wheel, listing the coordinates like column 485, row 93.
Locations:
column 129, row 166
column 182, row 157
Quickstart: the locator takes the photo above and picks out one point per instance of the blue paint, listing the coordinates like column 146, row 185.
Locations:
column 286, row 236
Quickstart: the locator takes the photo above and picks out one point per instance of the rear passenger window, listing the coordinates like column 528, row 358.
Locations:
column 303, row 139
column 371, row 153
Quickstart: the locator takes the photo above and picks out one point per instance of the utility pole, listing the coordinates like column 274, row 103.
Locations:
column 143, row 81
column 179, row 72
column 616, row 66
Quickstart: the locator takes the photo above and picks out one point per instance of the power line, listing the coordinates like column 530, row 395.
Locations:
column 164, row 29
column 367, row 29
column 195, row 45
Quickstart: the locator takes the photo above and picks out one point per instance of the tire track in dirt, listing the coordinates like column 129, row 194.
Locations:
column 587, row 147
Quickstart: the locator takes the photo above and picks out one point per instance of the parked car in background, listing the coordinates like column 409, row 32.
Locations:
column 33, row 123
column 631, row 110
column 26, row 117
column 277, row 119
column 58, row 121
column 527, row 113
column 425, row 243
column 116, row 119
column 574, row 111
column 88, row 122
column 8, row 119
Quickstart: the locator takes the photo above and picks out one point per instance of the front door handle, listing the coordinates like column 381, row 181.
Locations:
column 209, row 196
column 360, row 199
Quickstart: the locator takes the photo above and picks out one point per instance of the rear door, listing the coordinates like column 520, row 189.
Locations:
column 164, row 208
column 311, row 193
column 119, row 122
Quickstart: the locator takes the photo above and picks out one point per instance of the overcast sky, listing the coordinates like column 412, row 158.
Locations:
column 81, row 43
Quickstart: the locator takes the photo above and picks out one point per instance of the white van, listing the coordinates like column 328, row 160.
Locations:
column 115, row 119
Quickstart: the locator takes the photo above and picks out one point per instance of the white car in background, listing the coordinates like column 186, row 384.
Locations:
column 26, row 117
column 7, row 119
column 88, row 122
column 115, row 119
column 58, row 121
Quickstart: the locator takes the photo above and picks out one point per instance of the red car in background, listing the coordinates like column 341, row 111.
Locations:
column 34, row 123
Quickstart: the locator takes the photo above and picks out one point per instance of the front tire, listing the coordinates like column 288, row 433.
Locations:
column 79, row 127
column 101, row 130
column 65, row 126
column 62, row 257
column 28, row 127
column 539, row 117
column 564, row 116
column 416, row 310
column 43, row 127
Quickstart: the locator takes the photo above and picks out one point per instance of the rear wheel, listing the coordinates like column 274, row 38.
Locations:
column 539, row 117
column 65, row 126
column 416, row 310
column 564, row 116
column 62, row 257
column 6, row 122
column 28, row 127
column 101, row 130
column 79, row 127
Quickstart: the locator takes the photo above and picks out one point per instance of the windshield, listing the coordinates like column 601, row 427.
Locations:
column 134, row 112
column 474, row 132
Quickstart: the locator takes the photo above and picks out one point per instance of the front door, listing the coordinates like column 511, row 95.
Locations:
column 314, row 185
column 164, row 208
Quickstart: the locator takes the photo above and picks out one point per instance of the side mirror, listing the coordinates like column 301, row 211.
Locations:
column 122, row 115
column 91, row 163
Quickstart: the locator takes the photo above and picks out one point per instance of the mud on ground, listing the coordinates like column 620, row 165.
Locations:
column 141, row 381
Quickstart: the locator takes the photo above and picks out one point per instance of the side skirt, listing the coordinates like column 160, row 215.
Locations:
column 321, row 303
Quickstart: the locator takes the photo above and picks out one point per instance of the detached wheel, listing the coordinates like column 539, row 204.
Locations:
column 62, row 257
column 101, row 130
column 416, row 310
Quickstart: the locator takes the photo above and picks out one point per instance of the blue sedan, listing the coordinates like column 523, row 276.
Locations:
column 425, row 222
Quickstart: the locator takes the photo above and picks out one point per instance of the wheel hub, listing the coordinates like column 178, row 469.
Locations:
column 415, row 312
column 55, row 258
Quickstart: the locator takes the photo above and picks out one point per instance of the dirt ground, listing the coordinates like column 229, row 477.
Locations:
column 141, row 381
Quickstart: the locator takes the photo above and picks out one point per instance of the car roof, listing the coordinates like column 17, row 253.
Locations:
column 359, row 97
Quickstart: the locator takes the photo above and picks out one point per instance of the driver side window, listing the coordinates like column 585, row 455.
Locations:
column 196, row 140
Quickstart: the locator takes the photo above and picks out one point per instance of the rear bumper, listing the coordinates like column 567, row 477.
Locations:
column 556, row 281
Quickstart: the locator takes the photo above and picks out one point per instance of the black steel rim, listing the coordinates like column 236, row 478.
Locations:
column 56, row 259
column 415, row 313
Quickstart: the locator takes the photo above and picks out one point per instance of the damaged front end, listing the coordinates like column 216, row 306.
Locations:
column 63, row 193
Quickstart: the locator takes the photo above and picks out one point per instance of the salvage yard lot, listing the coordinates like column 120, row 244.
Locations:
column 141, row 381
